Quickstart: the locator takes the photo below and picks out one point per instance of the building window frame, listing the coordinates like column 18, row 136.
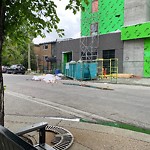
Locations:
column 94, row 6
column 44, row 57
column 94, row 28
column 45, row 47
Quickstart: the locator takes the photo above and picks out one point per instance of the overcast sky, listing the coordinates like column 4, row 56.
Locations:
column 68, row 21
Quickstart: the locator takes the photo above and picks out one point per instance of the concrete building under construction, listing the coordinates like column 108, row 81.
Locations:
column 111, row 29
column 130, row 19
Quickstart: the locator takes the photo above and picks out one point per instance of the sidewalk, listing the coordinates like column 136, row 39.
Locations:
column 126, row 81
column 88, row 136
column 134, row 81
column 107, row 84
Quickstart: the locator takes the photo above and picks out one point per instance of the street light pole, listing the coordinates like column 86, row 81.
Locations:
column 29, row 59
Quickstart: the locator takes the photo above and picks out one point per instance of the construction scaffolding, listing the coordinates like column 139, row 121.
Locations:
column 107, row 68
column 89, row 48
column 89, row 44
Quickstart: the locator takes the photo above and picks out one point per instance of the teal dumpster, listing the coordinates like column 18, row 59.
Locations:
column 72, row 69
column 93, row 70
column 86, row 71
column 81, row 70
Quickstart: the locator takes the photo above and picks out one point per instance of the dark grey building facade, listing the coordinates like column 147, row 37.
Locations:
column 108, row 46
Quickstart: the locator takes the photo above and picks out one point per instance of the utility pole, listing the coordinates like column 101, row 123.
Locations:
column 37, row 64
column 29, row 59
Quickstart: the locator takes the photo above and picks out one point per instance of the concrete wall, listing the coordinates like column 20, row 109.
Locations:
column 136, row 11
column 105, row 42
column 112, row 42
column 133, row 57
column 72, row 45
column 148, row 10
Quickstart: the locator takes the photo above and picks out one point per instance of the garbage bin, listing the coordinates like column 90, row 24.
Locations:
column 57, row 71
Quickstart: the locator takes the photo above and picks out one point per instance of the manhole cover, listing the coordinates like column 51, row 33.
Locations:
column 63, row 138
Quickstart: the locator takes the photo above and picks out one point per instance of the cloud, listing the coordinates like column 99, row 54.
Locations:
column 68, row 21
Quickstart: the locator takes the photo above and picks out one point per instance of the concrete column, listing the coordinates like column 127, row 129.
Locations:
column 133, row 57
column 148, row 10
column 136, row 11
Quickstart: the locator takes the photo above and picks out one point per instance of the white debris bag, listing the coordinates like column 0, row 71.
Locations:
column 38, row 78
column 48, row 78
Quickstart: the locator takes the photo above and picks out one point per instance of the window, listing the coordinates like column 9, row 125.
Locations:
column 45, row 46
column 94, row 29
column 45, row 58
column 94, row 6
column 108, row 54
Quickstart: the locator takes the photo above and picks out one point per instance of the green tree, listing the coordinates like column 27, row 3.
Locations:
column 21, row 18
column 13, row 53
column 18, row 54
column 32, row 59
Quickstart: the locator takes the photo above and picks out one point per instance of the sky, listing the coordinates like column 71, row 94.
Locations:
column 68, row 21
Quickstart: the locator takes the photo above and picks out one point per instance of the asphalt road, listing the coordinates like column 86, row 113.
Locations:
column 126, row 103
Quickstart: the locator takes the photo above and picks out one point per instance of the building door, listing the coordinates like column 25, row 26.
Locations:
column 66, row 57
column 108, row 63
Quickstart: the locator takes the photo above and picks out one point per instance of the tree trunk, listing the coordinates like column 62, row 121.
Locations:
column 2, row 18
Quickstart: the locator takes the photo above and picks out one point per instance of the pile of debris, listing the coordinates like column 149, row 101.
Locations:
column 48, row 78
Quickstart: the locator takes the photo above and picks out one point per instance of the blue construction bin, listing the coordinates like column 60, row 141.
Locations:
column 57, row 71
column 81, row 71
column 93, row 70
column 72, row 70
column 86, row 71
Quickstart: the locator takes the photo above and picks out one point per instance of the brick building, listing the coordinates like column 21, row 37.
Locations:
column 42, row 52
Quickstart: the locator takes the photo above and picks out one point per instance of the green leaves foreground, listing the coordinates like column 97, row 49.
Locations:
column 28, row 18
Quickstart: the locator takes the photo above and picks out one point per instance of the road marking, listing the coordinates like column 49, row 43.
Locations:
column 63, row 108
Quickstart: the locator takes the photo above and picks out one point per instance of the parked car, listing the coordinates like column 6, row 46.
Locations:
column 4, row 69
column 15, row 69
